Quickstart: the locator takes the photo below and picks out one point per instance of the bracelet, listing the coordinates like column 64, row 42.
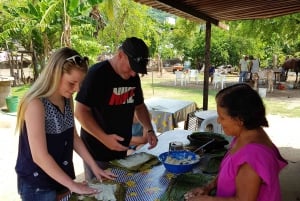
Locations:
column 150, row 131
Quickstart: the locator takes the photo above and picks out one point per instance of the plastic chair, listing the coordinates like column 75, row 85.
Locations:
column 211, row 125
column 219, row 79
column 192, row 122
column 193, row 74
column 207, row 122
column 180, row 76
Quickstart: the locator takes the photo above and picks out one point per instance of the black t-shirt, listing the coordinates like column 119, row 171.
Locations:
column 112, row 100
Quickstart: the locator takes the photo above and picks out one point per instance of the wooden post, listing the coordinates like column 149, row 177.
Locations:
column 207, row 65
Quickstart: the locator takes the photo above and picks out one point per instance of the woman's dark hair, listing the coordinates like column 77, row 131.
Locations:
column 242, row 102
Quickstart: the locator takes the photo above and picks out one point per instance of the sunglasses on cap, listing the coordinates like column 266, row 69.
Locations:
column 76, row 59
column 136, row 59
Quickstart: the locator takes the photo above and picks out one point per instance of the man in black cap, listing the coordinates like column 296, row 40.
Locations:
column 109, row 96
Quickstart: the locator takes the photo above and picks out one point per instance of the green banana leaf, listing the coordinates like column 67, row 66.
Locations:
column 184, row 183
column 136, row 162
column 213, row 161
column 120, row 193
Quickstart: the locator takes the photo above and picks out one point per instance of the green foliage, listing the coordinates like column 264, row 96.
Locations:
column 130, row 19
column 88, row 47
column 223, row 49
column 267, row 37
column 39, row 26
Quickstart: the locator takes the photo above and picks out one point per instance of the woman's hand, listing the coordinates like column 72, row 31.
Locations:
column 79, row 188
column 201, row 193
column 200, row 198
column 194, row 192
column 82, row 188
column 100, row 173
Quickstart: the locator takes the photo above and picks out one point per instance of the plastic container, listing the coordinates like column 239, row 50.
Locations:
column 179, row 155
column 262, row 92
column 290, row 86
column 12, row 103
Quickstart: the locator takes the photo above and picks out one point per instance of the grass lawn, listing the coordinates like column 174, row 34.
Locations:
column 155, row 85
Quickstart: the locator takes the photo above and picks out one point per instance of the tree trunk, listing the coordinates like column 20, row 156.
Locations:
column 35, row 66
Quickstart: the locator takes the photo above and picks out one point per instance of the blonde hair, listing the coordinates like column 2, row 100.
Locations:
column 49, row 80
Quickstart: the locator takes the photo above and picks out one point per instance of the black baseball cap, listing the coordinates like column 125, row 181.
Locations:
column 137, row 53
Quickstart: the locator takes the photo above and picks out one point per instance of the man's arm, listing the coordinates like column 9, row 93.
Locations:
column 84, row 115
column 142, row 139
column 143, row 117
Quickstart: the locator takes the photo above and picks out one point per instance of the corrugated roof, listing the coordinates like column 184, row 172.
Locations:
column 216, row 11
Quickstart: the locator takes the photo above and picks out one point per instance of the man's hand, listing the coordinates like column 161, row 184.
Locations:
column 152, row 139
column 112, row 142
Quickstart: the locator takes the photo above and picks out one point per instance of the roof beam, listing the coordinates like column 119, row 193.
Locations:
column 187, row 9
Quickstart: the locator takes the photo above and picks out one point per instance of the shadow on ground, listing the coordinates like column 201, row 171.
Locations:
column 290, row 175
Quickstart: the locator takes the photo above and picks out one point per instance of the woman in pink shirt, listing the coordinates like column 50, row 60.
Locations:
column 250, row 169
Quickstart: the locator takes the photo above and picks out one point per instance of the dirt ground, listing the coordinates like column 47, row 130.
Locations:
column 283, row 131
column 287, row 95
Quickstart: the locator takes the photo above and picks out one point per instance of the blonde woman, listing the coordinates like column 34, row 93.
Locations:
column 47, row 132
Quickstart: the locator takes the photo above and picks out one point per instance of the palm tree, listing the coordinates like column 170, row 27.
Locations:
column 41, row 26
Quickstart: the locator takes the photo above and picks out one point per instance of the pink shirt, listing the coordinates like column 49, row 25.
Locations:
column 266, row 161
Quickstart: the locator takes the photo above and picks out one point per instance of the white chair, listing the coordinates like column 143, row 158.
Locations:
column 219, row 79
column 211, row 125
column 180, row 76
column 262, row 78
column 193, row 74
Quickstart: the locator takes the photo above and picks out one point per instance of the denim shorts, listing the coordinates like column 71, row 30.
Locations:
column 29, row 193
